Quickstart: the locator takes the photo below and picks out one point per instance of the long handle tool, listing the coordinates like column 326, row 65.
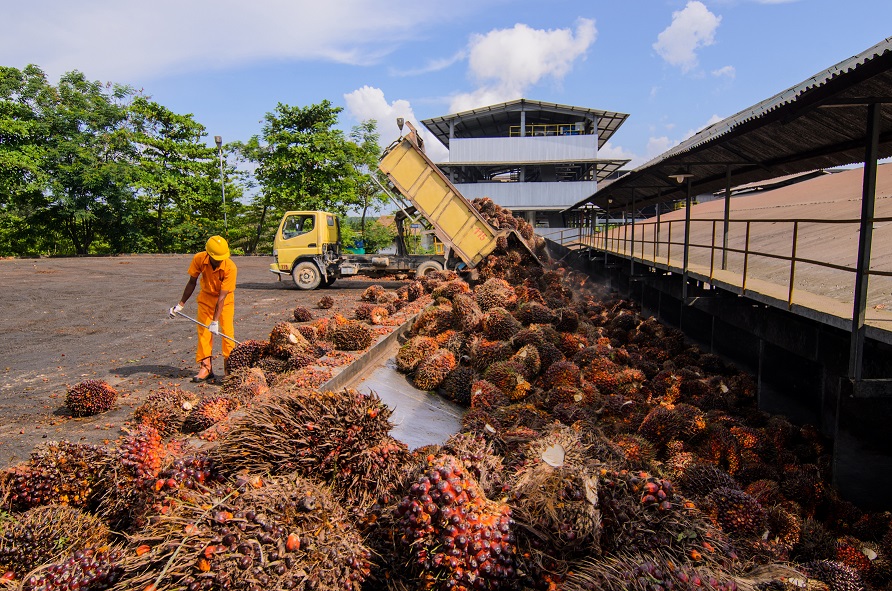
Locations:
column 206, row 326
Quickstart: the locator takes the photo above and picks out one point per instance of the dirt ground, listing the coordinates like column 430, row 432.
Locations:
column 70, row 319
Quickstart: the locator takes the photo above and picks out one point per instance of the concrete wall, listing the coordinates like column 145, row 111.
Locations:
column 523, row 149
column 531, row 195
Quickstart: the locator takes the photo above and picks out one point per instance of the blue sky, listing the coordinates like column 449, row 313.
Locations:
column 674, row 65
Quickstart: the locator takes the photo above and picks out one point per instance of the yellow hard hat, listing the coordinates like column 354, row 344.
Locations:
column 217, row 248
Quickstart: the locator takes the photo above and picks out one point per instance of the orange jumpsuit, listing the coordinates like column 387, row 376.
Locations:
column 212, row 282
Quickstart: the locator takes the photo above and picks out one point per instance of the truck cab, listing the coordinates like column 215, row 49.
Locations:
column 307, row 246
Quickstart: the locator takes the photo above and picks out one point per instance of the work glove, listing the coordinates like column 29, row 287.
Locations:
column 173, row 311
column 214, row 327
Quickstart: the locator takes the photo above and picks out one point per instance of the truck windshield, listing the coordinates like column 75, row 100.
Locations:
column 297, row 225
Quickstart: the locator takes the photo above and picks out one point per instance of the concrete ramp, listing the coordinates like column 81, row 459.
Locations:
column 420, row 418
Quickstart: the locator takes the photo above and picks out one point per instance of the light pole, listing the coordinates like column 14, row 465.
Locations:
column 219, row 141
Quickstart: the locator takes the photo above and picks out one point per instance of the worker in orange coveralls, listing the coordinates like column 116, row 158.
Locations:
column 216, row 303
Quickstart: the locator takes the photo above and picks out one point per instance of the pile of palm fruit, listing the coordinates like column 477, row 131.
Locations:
column 599, row 450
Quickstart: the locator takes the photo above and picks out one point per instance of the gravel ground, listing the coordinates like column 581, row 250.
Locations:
column 65, row 320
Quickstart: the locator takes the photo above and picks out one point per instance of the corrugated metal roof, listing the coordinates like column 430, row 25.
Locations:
column 494, row 120
column 818, row 123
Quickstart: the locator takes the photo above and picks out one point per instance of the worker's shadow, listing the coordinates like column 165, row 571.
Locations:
column 163, row 371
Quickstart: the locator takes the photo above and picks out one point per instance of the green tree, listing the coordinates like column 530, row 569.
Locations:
column 26, row 101
column 369, row 179
column 177, row 170
column 89, row 163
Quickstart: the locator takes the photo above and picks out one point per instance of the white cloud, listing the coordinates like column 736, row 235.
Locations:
column 658, row 145
column 611, row 151
column 505, row 63
column 727, row 71
column 432, row 66
column 135, row 41
column 369, row 103
column 692, row 28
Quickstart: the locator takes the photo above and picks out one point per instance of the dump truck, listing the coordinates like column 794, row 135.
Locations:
column 308, row 243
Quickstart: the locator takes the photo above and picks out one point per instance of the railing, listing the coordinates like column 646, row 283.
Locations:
column 547, row 130
column 659, row 242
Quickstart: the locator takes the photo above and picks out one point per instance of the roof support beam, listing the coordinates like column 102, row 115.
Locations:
column 865, row 242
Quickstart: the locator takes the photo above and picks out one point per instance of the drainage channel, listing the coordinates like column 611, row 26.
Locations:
column 420, row 418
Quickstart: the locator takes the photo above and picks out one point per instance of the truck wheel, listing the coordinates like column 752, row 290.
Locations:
column 306, row 275
column 328, row 282
column 427, row 267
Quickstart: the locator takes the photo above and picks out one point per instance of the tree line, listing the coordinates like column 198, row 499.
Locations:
column 93, row 168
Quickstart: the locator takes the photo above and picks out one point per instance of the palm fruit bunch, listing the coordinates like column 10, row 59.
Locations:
column 301, row 314
column 499, row 325
column 457, row 384
column 280, row 533
column 362, row 311
column 374, row 473
column 638, row 451
column 414, row 291
column 453, row 340
column 648, row 572
column 534, row 313
column 247, row 354
column 466, row 313
column 141, row 452
column 486, row 395
column 433, row 320
column 528, row 361
column 58, row 472
column 325, row 302
column 188, row 472
column 783, row 530
column 285, row 340
column 484, row 352
column 561, row 373
column 457, row 539
column 566, row 320
column 495, row 293
column 350, row 336
column 41, row 534
column 208, row 412
column 317, row 434
column 378, row 315
column 432, row 370
column 246, row 383
column 661, row 425
column 554, row 495
column 480, row 460
column 413, row 351
column 93, row 568
column 836, row 575
column 372, row 293
column 272, row 367
column 655, row 492
column 738, row 513
column 165, row 410
column 700, row 480
column 90, row 397
column 508, row 377
column 450, row 289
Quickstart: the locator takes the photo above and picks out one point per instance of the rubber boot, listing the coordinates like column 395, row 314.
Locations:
column 205, row 372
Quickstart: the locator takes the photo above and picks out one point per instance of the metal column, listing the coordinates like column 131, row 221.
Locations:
column 727, row 217
column 687, row 241
column 865, row 241
column 632, row 243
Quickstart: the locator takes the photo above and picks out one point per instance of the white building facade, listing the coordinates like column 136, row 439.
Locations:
column 532, row 157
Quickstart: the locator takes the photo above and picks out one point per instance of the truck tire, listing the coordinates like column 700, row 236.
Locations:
column 306, row 275
column 427, row 267
column 328, row 282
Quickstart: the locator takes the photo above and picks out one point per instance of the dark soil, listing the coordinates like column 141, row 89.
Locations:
column 66, row 320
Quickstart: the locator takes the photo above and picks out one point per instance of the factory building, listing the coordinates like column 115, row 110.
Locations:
column 533, row 157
